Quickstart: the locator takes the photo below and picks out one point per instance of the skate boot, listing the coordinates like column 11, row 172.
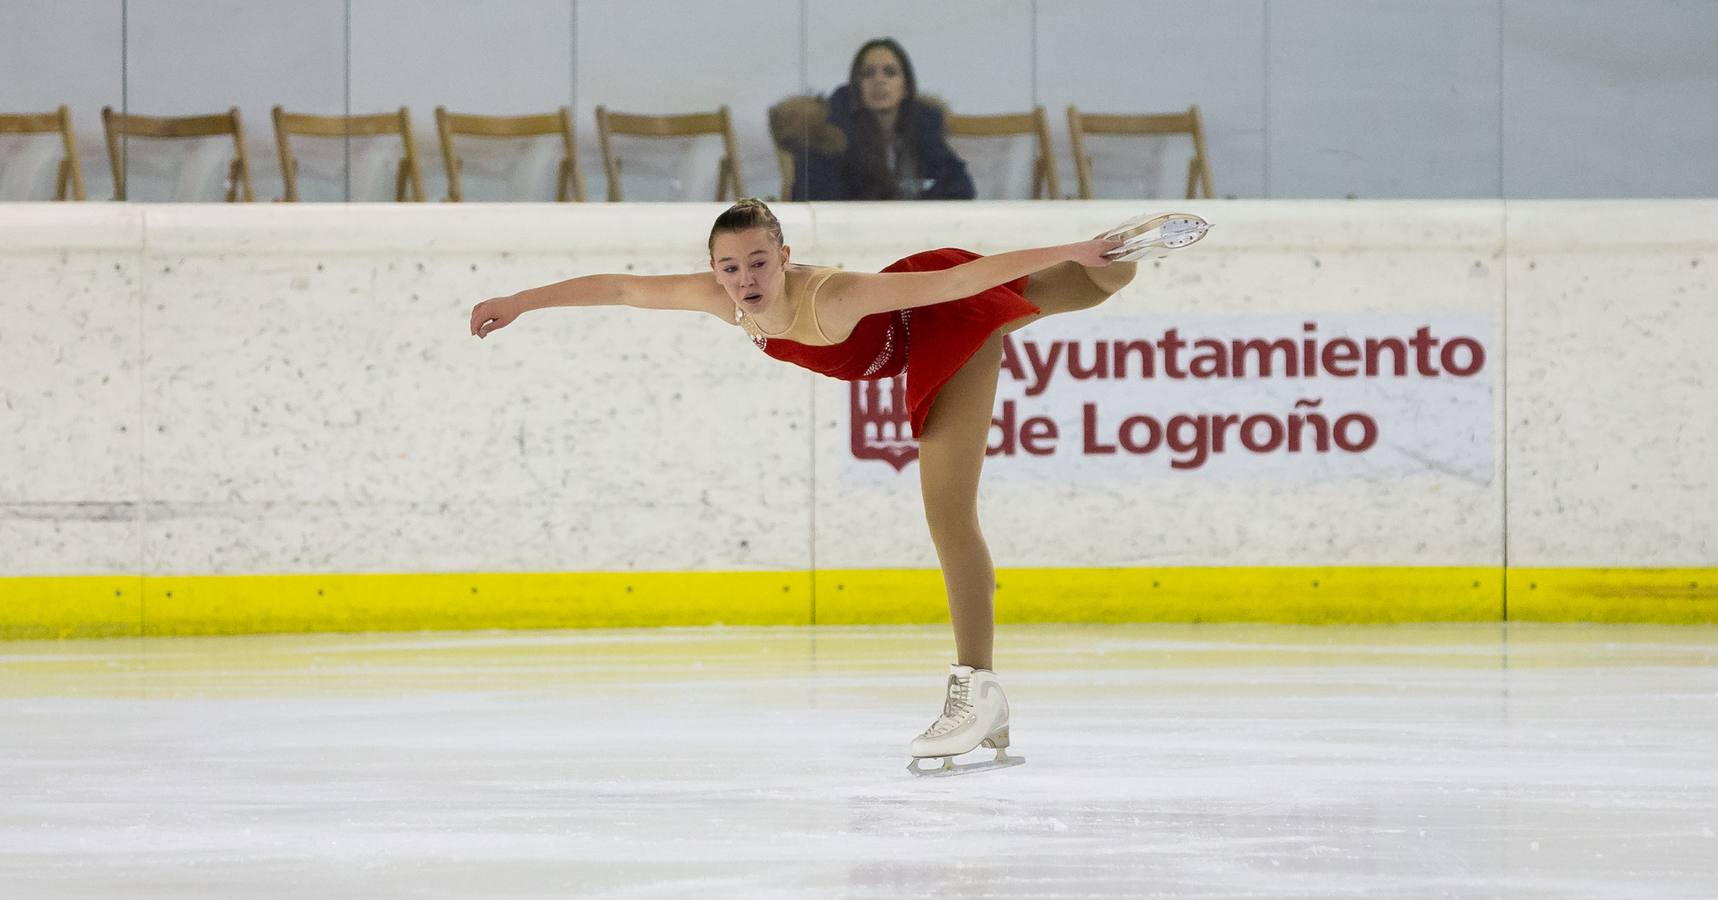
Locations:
column 975, row 714
column 1150, row 237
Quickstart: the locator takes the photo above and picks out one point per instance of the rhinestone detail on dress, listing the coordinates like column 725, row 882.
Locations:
column 888, row 351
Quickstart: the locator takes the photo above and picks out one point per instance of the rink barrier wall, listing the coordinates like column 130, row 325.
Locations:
column 209, row 413
column 133, row 606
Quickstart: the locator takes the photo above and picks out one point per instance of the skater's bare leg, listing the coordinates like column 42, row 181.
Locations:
column 951, row 455
column 1110, row 278
column 1069, row 286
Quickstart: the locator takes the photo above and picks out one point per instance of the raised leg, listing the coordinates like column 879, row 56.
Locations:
column 1067, row 287
column 951, row 456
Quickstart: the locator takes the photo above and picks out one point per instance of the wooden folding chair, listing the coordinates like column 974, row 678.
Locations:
column 728, row 182
column 1044, row 184
column 117, row 124
column 569, row 183
column 70, row 174
column 1198, row 168
column 408, row 179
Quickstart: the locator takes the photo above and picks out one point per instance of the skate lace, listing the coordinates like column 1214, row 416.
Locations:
column 957, row 709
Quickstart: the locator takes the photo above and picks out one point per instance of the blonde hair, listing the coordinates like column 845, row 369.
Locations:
column 745, row 215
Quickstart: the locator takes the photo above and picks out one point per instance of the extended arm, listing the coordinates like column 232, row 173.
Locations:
column 694, row 292
column 853, row 296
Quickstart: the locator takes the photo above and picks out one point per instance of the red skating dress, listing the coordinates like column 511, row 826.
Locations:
column 930, row 342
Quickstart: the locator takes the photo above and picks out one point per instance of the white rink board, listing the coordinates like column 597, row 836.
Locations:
column 275, row 389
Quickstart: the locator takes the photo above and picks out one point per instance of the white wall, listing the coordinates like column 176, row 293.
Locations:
column 1318, row 98
column 1613, row 320
column 210, row 390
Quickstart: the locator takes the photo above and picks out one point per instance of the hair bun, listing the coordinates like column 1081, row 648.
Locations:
column 745, row 214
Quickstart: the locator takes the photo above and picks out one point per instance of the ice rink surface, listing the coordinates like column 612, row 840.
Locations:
column 1177, row 761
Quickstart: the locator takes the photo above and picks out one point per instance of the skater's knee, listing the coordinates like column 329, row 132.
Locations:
column 953, row 523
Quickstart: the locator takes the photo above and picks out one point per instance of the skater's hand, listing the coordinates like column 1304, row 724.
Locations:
column 493, row 314
column 1091, row 253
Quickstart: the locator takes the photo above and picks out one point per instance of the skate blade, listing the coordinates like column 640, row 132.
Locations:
column 1177, row 230
column 949, row 768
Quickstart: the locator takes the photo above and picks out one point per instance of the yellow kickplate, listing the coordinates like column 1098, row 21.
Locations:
column 1187, row 594
column 1665, row 596
column 132, row 605
column 251, row 604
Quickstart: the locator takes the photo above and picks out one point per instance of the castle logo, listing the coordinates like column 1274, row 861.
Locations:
column 881, row 427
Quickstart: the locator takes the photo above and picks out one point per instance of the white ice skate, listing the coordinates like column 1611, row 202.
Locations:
column 975, row 714
column 1149, row 237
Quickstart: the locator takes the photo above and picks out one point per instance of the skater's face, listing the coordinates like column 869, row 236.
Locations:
column 750, row 266
column 882, row 79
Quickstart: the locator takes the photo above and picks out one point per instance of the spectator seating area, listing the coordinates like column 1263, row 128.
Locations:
column 408, row 183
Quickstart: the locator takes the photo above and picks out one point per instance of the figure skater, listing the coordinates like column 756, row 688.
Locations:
column 938, row 315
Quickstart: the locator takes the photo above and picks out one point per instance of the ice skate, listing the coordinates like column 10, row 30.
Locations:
column 1149, row 237
column 975, row 714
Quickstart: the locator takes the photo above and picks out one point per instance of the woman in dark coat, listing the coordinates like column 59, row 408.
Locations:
column 873, row 139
